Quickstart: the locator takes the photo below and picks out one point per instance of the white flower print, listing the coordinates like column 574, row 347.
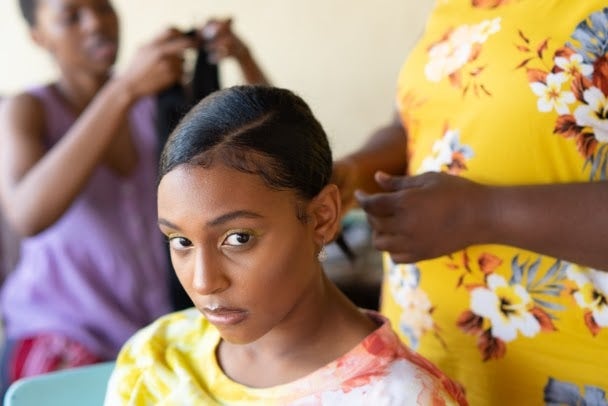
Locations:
column 594, row 114
column 445, row 151
column 403, row 277
column 451, row 54
column 551, row 95
column 574, row 65
column 416, row 319
column 482, row 31
column 446, row 58
column 592, row 293
column 507, row 307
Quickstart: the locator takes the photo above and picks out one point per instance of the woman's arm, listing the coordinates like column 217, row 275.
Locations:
column 434, row 214
column 567, row 221
column 36, row 186
column 385, row 151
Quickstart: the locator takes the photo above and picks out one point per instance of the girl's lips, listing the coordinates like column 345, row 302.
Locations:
column 224, row 316
column 103, row 49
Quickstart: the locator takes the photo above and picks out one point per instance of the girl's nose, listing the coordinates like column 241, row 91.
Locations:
column 208, row 275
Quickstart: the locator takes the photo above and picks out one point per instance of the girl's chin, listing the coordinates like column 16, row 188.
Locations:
column 231, row 336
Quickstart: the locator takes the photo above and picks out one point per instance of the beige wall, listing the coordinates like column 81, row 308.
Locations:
column 342, row 56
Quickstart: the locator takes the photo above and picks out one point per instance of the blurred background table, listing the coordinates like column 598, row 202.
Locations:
column 360, row 278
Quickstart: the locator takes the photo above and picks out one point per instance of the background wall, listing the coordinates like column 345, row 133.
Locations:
column 342, row 56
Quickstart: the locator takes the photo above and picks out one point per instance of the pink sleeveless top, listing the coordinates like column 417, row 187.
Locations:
column 99, row 273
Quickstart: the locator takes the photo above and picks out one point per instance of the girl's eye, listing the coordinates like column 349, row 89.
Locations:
column 179, row 243
column 69, row 17
column 237, row 239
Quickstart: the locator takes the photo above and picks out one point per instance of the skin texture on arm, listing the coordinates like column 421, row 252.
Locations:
column 384, row 151
column 434, row 214
column 37, row 186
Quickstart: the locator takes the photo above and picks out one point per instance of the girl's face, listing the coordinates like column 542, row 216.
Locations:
column 238, row 248
column 80, row 34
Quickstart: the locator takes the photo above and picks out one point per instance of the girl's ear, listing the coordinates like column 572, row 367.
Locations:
column 325, row 210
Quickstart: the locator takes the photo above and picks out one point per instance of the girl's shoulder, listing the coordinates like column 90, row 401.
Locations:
column 394, row 366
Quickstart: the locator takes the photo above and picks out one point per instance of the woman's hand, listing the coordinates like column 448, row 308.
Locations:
column 158, row 64
column 425, row 216
column 221, row 42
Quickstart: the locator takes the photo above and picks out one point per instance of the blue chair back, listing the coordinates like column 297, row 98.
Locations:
column 82, row 386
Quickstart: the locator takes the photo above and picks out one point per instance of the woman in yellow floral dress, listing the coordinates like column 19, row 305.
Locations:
column 498, row 233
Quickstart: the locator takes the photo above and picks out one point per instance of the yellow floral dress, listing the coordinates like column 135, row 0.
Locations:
column 173, row 362
column 508, row 92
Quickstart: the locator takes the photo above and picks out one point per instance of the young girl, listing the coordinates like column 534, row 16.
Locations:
column 77, row 180
column 246, row 207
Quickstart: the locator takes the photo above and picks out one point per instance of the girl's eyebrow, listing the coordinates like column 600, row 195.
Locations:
column 219, row 220
column 233, row 215
column 167, row 223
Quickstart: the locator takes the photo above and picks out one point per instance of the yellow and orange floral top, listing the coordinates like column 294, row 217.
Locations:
column 173, row 362
column 508, row 92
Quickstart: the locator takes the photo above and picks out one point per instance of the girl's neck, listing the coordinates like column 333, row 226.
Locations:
column 323, row 328
column 78, row 90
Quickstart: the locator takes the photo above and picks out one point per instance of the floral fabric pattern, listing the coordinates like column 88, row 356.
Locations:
column 591, row 295
column 564, row 393
column 458, row 49
column 502, row 310
column 416, row 317
column 448, row 155
column 490, row 3
column 500, row 93
column 576, row 87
